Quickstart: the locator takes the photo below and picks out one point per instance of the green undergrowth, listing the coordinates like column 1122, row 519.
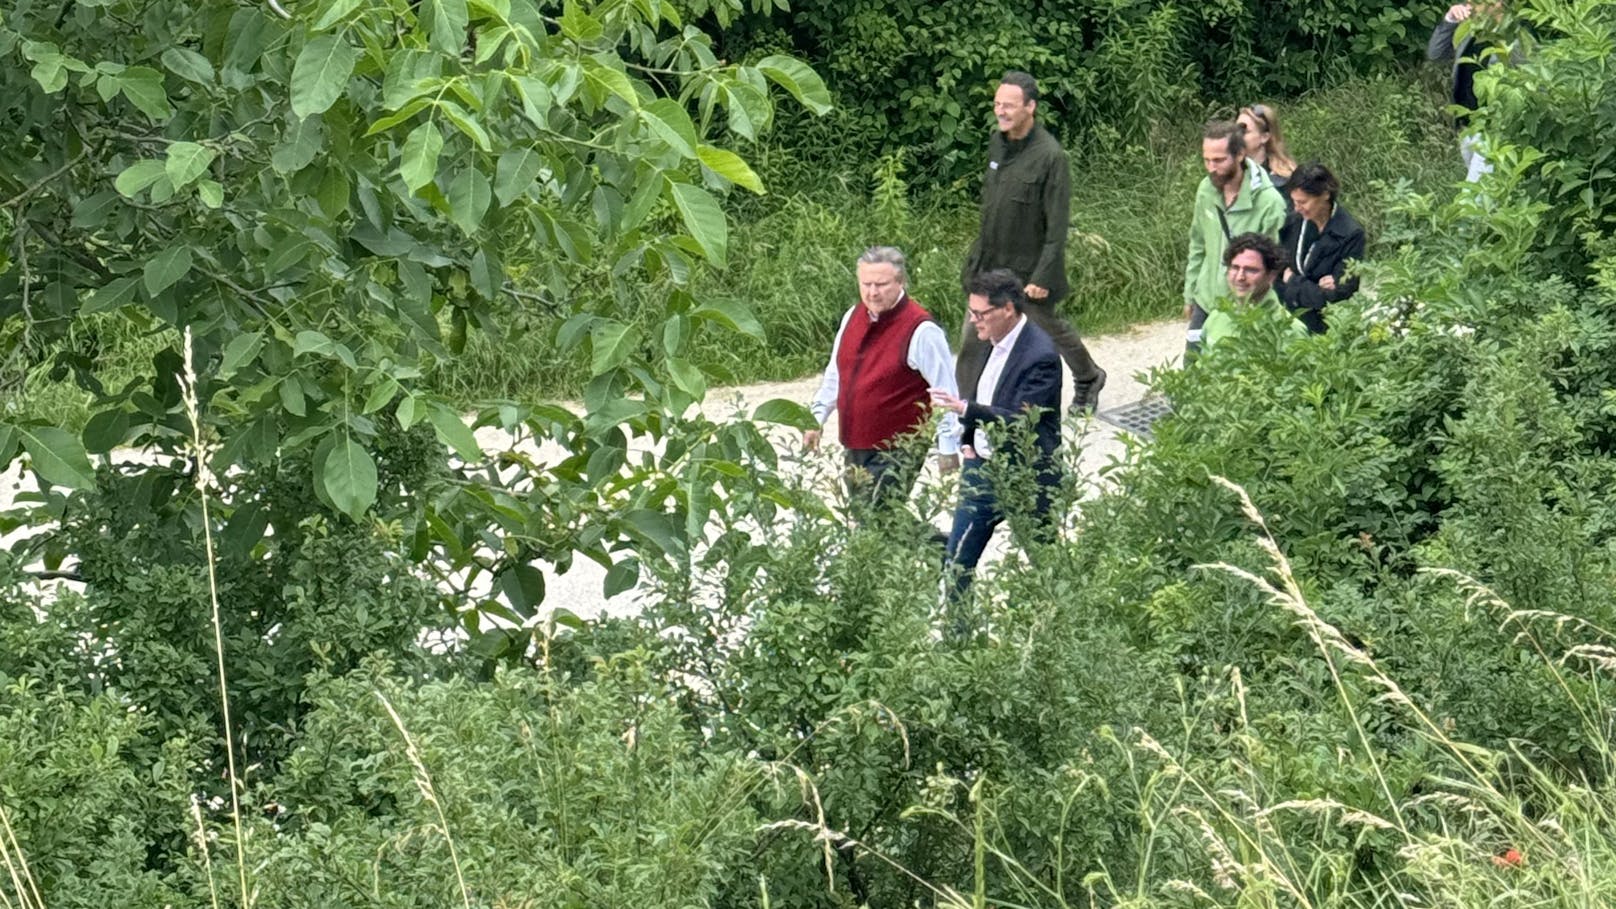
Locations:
column 792, row 252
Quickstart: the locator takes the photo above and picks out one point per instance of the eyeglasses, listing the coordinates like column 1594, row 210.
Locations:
column 976, row 315
column 1262, row 113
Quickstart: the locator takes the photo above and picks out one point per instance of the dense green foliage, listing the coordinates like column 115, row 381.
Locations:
column 1199, row 696
column 920, row 76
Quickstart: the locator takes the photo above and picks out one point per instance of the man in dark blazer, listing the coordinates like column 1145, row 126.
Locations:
column 1010, row 416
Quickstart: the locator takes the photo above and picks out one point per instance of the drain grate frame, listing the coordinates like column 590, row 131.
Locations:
column 1139, row 416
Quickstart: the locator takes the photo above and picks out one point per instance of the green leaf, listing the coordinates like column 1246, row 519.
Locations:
column 143, row 86
column 621, row 577
column 165, row 268
column 138, row 176
column 612, row 80
column 187, row 161
column 516, row 171
column 321, row 74
column 106, row 430
column 578, row 25
column 188, row 65
column 347, row 474
column 332, row 196
column 453, row 433
column 466, row 123
column 670, row 122
column 311, row 341
column 446, row 23
column 687, row 377
column 731, row 167
column 704, row 220
column 786, row 413
column 610, row 342
column 730, row 314
column 468, row 199
column 299, row 145
column 111, row 295
column 419, row 163
column 381, row 394
column 523, row 586
column 335, row 12
column 58, row 456
column 799, row 79
column 92, row 211
column 210, row 192
column 241, row 350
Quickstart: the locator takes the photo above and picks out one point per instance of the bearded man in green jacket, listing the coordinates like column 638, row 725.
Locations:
column 1026, row 210
column 1236, row 197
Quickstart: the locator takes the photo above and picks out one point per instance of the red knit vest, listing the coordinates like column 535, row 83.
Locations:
column 880, row 397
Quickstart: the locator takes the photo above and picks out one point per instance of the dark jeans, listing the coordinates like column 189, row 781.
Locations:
column 882, row 477
column 980, row 513
column 1042, row 313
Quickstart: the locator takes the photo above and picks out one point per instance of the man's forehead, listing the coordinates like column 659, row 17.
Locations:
column 1009, row 92
column 876, row 272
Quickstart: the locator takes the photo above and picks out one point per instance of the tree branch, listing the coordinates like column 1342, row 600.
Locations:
column 34, row 187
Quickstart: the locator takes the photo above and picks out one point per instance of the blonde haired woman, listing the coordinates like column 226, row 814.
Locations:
column 1265, row 144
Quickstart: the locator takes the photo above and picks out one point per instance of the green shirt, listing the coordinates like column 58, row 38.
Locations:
column 1257, row 209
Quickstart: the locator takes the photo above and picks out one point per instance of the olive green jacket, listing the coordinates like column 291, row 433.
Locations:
column 1026, row 208
column 1257, row 209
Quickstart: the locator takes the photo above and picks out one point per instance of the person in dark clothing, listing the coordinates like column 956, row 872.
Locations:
column 1321, row 239
column 1465, row 68
column 1026, row 210
column 1019, row 382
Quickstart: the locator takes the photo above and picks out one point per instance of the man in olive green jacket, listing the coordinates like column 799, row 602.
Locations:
column 1235, row 197
column 1026, row 209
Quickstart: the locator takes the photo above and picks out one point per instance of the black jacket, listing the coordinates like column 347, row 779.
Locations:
column 1031, row 378
column 1322, row 253
column 1026, row 210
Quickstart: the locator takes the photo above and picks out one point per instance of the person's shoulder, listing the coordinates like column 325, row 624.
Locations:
column 1342, row 223
column 1036, row 341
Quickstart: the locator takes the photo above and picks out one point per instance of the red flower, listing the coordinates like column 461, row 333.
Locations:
column 1509, row 858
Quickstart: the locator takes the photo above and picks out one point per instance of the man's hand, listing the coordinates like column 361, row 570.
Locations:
column 810, row 439
column 1286, row 277
column 1034, row 292
column 1459, row 12
column 947, row 401
column 1327, row 282
column 948, row 463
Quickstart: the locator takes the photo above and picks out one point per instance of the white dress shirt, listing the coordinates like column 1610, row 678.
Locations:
column 928, row 355
column 988, row 385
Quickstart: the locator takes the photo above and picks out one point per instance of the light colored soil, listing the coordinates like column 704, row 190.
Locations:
column 1127, row 357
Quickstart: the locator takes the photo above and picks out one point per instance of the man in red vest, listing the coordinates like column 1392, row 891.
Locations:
column 887, row 353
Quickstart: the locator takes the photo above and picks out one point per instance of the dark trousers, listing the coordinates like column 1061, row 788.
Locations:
column 980, row 513
column 1042, row 313
column 882, row 477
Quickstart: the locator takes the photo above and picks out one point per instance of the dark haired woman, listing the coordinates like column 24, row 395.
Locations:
column 1321, row 238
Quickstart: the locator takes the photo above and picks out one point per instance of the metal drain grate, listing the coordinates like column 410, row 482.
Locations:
column 1138, row 416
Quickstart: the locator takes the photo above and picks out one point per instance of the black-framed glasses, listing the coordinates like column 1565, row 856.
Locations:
column 976, row 315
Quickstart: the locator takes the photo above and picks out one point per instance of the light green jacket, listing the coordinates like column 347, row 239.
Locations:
column 1257, row 209
column 1220, row 321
